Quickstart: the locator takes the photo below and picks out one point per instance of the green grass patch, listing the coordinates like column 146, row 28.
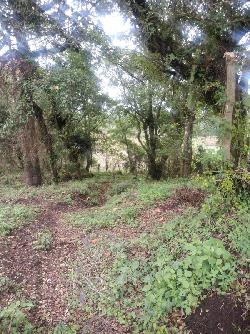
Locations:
column 14, row 216
column 126, row 197
column 105, row 217
column 44, row 240
column 63, row 191
column 149, row 192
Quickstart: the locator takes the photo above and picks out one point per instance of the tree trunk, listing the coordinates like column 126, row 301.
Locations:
column 186, row 148
column 32, row 170
column 74, row 159
column 155, row 168
column 239, row 145
column 47, row 140
column 89, row 160
column 230, row 102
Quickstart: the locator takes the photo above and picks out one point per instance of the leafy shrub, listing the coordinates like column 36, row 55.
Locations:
column 239, row 235
column 13, row 216
column 44, row 240
column 14, row 321
column 181, row 283
column 208, row 160
column 153, row 288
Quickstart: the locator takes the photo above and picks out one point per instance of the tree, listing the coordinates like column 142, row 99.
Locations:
column 76, row 106
column 218, row 27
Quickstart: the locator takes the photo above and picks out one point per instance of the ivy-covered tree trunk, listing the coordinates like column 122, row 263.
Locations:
column 186, row 148
column 89, row 158
column 230, row 103
column 46, row 139
column 150, row 133
column 76, row 166
column 240, row 146
column 32, row 170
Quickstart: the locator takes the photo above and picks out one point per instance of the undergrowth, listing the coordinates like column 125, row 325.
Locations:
column 14, row 216
column 173, row 267
column 43, row 240
column 124, row 202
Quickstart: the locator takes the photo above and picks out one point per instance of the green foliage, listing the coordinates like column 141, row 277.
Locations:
column 13, row 319
column 180, row 284
column 6, row 284
column 13, row 216
column 43, row 240
column 105, row 217
column 239, row 235
column 177, row 264
column 150, row 192
column 65, row 329
column 232, row 194
column 64, row 191
column 208, row 161
column 129, row 197
column 118, row 188
column 153, row 288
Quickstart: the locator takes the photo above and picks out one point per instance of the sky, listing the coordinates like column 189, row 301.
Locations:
column 119, row 31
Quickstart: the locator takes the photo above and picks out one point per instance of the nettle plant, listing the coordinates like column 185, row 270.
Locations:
column 13, row 319
column 180, row 284
column 148, row 290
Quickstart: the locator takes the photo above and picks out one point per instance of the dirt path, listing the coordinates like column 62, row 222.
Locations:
column 39, row 274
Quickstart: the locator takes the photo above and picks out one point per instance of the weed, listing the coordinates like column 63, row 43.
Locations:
column 65, row 329
column 44, row 240
column 6, row 284
column 14, row 320
column 13, row 216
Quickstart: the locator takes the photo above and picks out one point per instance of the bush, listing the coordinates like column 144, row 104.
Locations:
column 180, row 284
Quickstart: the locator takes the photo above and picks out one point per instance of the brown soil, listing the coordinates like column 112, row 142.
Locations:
column 39, row 274
column 219, row 314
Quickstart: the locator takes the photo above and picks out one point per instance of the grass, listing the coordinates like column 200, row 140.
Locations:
column 103, row 218
column 14, row 216
column 126, row 198
column 63, row 191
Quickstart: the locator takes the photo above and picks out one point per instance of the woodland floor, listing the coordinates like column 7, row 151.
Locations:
column 43, row 276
